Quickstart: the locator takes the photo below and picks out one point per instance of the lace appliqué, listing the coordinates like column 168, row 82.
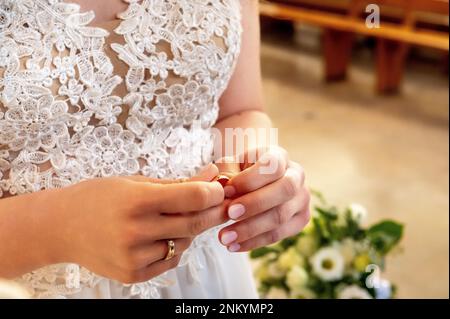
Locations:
column 59, row 110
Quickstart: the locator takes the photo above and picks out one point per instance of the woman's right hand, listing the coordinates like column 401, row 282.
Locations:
column 119, row 227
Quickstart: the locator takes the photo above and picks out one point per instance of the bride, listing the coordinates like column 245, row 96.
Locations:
column 107, row 187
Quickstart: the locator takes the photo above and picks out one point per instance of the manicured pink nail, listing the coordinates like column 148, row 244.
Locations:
column 236, row 211
column 234, row 248
column 228, row 237
column 230, row 191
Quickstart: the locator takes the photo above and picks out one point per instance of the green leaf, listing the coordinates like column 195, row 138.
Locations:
column 321, row 231
column 327, row 214
column 353, row 228
column 385, row 235
column 260, row 252
column 288, row 242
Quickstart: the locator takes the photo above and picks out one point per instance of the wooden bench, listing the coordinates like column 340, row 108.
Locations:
column 404, row 23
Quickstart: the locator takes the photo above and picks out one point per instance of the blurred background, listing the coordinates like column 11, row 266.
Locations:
column 359, row 91
column 364, row 108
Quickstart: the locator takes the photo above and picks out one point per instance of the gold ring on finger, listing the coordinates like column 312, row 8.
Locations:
column 170, row 250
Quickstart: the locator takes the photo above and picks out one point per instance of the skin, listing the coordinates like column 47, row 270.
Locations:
column 276, row 205
column 108, row 225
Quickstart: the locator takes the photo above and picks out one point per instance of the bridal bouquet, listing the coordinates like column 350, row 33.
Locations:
column 334, row 257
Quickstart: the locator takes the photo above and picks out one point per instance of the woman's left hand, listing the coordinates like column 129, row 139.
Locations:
column 270, row 201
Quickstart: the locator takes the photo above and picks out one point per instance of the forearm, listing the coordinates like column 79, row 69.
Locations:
column 27, row 233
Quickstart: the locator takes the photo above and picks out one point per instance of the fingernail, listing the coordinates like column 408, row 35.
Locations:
column 228, row 237
column 234, row 248
column 230, row 191
column 236, row 211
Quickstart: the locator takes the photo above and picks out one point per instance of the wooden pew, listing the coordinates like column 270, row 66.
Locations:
column 404, row 23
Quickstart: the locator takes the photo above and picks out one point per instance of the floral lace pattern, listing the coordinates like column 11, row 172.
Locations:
column 60, row 111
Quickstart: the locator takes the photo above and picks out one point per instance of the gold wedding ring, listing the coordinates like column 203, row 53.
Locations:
column 170, row 250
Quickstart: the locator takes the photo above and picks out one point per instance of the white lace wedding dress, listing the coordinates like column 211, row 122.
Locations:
column 78, row 102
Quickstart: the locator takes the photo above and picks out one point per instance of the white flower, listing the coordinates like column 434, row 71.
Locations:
column 276, row 293
column 153, row 151
column 64, row 69
column 61, row 40
column 358, row 212
column 45, row 73
column 354, row 292
column 328, row 264
column 99, row 99
column 80, row 120
column 160, row 65
column 34, row 124
column 109, row 152
column 274, row 271
column 212, row 25
column 145, row 43
column 182, row 103
column 296, row 277
column 108, row 110
column 73, row 90
column 149, row 89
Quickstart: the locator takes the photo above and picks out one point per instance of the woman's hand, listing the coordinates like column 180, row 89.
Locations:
column 270, row 201
column 119, row 227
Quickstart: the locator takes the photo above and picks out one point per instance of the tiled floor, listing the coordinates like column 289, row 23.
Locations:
column 388, row 153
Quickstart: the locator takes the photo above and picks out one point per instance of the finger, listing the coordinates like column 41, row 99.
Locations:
column 296, row 166
column 267, row 197
column 270, row 167
column 145, row 179
column 207, row 174
column 185, row 197
column 147, row 254
column 151, row 271
column 228, row 166
column 259, row 224
column 193, row 224
column 293, row 227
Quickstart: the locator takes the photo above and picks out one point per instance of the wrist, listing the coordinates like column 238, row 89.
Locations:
column 49, row 209
column 29, row 228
